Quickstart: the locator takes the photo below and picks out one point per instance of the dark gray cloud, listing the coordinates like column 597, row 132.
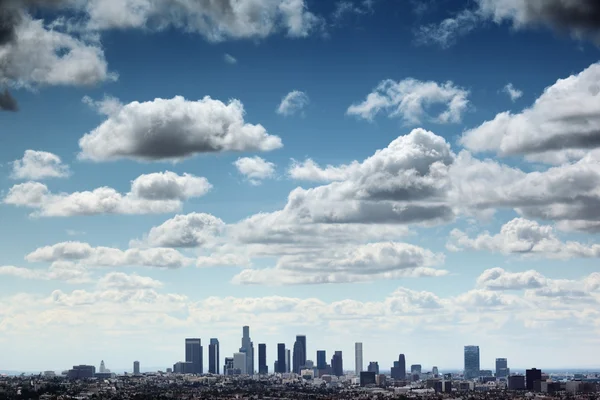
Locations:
column 8, row 102
column 573, row 14
column 11, row 14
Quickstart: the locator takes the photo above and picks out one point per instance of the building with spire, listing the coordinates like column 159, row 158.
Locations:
column 248, row 349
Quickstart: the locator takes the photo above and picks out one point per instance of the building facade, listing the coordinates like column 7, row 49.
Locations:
column 321, row 359
column 136, row 367
column 532, row 375
column 213, row 356
column 337, row 364
column 373, row 367
column 502, row 370
column 281, row 369
column 240, row 362
column 263, row 369
column 299, row 359
column 358, row 358
column 193, row 354
column 471, row 362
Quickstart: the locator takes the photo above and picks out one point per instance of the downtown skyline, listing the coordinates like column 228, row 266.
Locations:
column 412, row 175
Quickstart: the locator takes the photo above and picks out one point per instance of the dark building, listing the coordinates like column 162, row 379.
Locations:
column 532, row 375
column 193, row 354
column 82, row 372
column 337, row 364
column 502, row 370
column 281, row 367
column 447, row 387
column 263, row 369
column 228, row 367
column 373, row 367
column 516, row 382
column 136, row 367
column 415, row 369
column 368, row 378
column 321, row 359
column 184, row 368
column 471, row 362
column 399, row 369
column 299, row 353
column 213, row 357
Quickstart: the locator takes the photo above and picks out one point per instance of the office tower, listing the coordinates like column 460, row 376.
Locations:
column 193, row 354
column 213, row 356
column 136, row 367
column 280, row 358
column 402, row 366
column 102, row 367
column 435, row 372
column 184, row 367
column 299, row 353
column 358, row 358
column 516, row 382
column 240, row 363
column 502, row 370
column 228, row 367
column 288, row 361
column 263, row 369
column 471, row 362
column 81, row 372
column 416, row 369
column 321, row 359
column 532, row 375
column 248, row 348
column 368, row 378
column 373, row 367
column 337, row 364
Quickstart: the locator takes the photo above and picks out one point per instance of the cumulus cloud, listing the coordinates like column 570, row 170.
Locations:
column 447, row 32
column 58, row 271
column 191, row 230
column 39, row 165
column 150, row 194
column 410, row 99
column 512, row 92
column 523, row 237
column 216, row 21
column 173, row 129
column 87, row 255
column 499, row 279
column 566, row 116
column 229, row 59
column 255, row 169
column 122, row 281
column 309, row 170
column 292, row 103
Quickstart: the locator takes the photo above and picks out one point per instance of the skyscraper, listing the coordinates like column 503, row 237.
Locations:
column 502, row 370
column 299, row 353
column 248, row 348
column 213, row 356
column 102, row 367
column 228, row 367
column 532, row 375
column 136, row 367
column 193, row 354
column 321, row 359
column 373, row 367
column 358, row 358
column 239, row 363
column 337, row 364
column 471, row 362
column 281, row 358
column 263, row 369
column 288, row 361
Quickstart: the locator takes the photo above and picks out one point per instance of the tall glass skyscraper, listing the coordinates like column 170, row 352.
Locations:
column 213, row 356
column 337, row 364
column 358, row 358
column 472, row 367
column 281, row 368
column 299, row 353
column 248, row 349
column 263, row 369
column 502, row 370
column 193, row 354
column 321, row 359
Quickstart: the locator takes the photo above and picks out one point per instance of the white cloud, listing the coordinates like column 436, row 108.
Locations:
column 447, row 32
column 41, row 56
column 173, row 129
column 566, row 116
column 409, row 99
column 121, row 281
column 255, row 169
column 512, row 92
column 191, row 230
column 523, row 237
column 216, row 21
column 229, row 59
column 292, row 103
column 311, row 171
column 58, row 271
column 499, row 279
column 86, row 255
column 150, row 194
column 39, row 165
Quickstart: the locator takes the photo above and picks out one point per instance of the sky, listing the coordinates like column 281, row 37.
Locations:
column 414, row 175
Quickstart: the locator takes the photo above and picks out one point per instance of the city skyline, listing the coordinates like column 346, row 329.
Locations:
column 413, row 175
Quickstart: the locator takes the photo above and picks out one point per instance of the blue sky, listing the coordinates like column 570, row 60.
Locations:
column 359, row 172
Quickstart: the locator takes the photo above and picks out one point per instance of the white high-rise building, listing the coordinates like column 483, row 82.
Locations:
column 358, row 358
column 239, row 362
column 102, row 367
